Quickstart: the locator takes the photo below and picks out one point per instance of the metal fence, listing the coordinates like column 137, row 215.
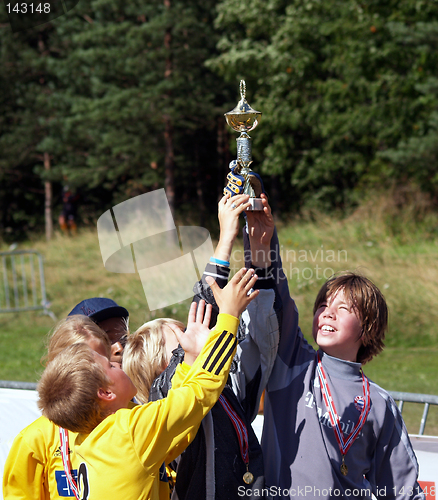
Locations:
column 410, row 397
column 12, row 384
column 23, row 286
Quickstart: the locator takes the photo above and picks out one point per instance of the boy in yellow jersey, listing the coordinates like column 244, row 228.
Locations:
column 33, row 468
column 119, row 452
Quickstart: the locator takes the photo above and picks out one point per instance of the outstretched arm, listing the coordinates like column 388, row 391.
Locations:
column 232, row 300
column 290, row 334
column 229, row 210
column 260, row 230
column 235, row 297
column 228, row 214
column 260, row 322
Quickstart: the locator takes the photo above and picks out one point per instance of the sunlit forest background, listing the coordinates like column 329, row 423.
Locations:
column 120, row 97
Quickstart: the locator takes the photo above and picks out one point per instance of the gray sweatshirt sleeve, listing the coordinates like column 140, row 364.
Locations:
column 257, row 351
column 394, row 467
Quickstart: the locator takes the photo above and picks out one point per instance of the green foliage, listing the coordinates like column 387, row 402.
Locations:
column 94, row 89
column 126, row 98
column 338, row 82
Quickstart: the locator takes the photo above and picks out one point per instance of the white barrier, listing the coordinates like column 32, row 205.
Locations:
column 18, row 410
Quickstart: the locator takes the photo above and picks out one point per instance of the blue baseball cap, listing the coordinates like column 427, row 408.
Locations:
column 99, row 309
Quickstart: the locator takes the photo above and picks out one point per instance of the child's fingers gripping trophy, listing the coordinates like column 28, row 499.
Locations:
column 235, row 297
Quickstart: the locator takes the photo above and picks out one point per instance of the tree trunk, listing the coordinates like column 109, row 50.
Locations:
column 169, row 167
column 169, row 159
column 222, row 154
column 48, row 200
column 199, row 187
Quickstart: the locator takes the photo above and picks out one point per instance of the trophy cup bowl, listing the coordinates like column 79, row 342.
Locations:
column 243, row 118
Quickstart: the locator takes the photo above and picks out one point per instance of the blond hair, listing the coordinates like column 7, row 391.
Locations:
column 145, row 356
column 72, row 330
column 68, row 389
column 370, row 306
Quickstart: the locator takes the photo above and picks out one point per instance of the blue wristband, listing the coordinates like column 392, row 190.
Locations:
column 220, row 262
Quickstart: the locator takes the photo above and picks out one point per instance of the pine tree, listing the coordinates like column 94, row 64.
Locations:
column 415, row 156
column 110, row 92
column 336, row 85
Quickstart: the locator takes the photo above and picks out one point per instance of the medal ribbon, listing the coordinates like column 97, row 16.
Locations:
column 241, row 430
column 63, row 434
column 344, row 446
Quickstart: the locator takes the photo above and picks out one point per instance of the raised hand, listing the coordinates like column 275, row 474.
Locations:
column 229, row 210
column 235, row 297
column 192, row 340
column 260, row 230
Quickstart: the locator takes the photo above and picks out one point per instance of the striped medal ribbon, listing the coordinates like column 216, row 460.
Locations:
column 242, row 436
column 344, row 445
column 63, row 434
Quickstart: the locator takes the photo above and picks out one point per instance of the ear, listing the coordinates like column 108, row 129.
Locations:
column 106, row 395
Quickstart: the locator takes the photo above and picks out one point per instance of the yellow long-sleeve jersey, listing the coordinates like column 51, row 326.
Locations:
column 123, row 455
column 33, row 468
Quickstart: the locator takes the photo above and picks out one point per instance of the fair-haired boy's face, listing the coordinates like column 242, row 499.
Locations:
column 337, row 328
column 121, row 386
column 170, row 340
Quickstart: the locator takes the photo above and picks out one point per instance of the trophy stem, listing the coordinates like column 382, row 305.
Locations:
column 244, row 149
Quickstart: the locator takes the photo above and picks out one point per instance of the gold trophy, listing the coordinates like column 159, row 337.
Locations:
column 243, row 118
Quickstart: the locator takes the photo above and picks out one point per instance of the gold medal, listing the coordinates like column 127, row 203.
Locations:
column 248, row 478
column 344, row 468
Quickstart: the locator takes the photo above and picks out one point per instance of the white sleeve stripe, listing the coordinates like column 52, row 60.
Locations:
column 215, row 275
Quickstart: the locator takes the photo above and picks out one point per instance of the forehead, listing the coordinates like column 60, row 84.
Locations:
column 170, row 328
column 344, row 296
column 338, row 295
column 115, row 328
column 102, row 360
column 98, row 345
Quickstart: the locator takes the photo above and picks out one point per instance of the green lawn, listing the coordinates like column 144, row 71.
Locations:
column 401, row 261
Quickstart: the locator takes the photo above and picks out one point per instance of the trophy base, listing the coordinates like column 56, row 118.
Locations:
column 256, row 205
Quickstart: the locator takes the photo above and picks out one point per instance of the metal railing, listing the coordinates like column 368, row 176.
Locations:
column 412, row 397
column 401, row 397
column 23, row 286
column 12, row 384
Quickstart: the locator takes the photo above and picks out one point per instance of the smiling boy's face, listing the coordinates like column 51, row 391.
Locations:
column 336, row 327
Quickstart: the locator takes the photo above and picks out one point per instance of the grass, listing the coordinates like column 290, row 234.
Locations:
column 397, row 249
